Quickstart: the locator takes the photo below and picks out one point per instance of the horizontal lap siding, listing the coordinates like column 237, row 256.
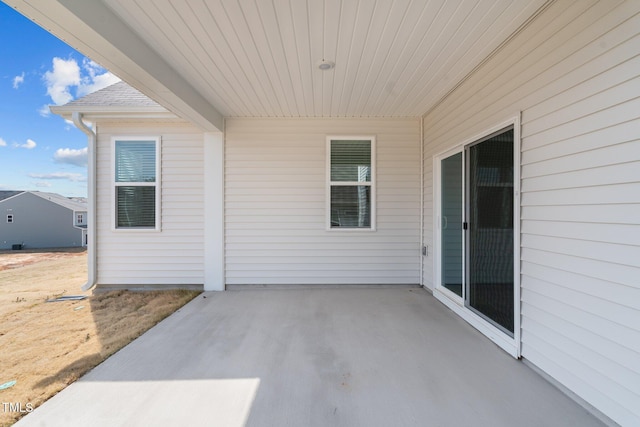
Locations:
column 173, row 256
column 275, row 189
column 574, row 73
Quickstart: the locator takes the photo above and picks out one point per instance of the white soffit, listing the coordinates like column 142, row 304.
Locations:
column 255, row 58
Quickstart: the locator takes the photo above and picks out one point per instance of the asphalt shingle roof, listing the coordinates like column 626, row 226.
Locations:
column 117, row 95
column 61, row 200
column 66, row 202
column 7, row 194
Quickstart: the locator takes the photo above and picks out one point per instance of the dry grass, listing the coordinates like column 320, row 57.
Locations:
column 47, row 346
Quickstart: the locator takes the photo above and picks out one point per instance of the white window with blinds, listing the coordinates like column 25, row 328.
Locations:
column 136, row 183
column 351, row 183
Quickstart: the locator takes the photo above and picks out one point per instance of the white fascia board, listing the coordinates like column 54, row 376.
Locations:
column 95, row 30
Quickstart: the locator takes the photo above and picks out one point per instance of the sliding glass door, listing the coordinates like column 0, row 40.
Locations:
column 490, row 229
column 476, row 215
column 452, row 215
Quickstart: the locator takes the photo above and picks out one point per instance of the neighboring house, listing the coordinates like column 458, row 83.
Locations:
column 33, row 219
column 488, row 151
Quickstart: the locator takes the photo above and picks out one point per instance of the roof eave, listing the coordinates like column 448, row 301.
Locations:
column 95, row 30
column 93, row 113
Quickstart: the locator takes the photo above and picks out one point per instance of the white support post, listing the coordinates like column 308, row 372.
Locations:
column 214, row 272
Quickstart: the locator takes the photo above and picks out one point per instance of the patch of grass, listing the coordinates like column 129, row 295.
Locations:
column 47, row 346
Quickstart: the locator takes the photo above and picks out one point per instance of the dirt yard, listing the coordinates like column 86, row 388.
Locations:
column 45, row 346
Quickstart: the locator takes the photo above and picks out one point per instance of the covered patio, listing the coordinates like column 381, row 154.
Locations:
column 312, row 356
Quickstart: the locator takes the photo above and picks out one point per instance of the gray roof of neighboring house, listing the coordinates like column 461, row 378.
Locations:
column 61, row 200
column 72, row 204
column 7, row 194
column 117, row 95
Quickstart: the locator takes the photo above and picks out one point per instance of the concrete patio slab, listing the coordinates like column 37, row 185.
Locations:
column 312, row 357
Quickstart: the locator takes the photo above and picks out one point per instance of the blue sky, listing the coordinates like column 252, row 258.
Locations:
column 41, row 151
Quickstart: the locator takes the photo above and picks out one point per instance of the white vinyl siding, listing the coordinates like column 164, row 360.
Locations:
column 573, row 75
column 174, row 255
column 275, row 204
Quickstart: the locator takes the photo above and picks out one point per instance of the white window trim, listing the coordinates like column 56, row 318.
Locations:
column 512, row 345
column 156, row 184
column 371, row 184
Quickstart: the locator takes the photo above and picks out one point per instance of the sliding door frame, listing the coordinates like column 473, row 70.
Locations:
column 511, row 345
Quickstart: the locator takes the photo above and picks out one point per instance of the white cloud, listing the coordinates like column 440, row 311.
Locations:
column 43, row 184
column 95, row 78
column 44, row 111
column 71, row 156
column 74, row 177
column 67, row 76
column 29, row 145
column 3, row 143
column 18, row 80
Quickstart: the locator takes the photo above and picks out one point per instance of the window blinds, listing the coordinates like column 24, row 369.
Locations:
column 135, row 161
column 135, row 183
column 351, row 161
column 350, row 183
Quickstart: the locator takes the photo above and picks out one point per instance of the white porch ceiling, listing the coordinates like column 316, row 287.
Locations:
column 258, row 58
